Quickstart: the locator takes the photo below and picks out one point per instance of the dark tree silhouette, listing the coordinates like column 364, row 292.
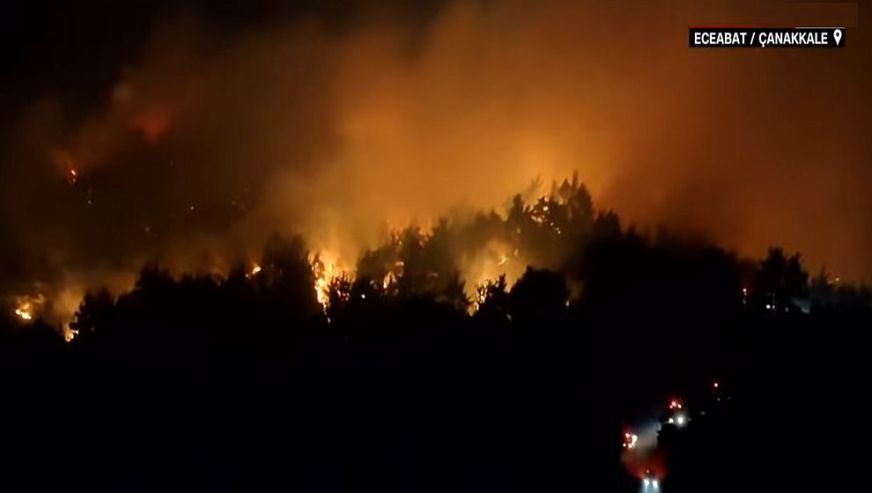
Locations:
column 403, row 383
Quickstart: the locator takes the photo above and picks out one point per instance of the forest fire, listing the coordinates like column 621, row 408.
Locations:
column 460, row 245
column 325, row 268
column 27, row 308
column 24, row 312
column 377, row 139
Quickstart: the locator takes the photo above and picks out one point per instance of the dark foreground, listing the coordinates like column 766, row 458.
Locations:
column 246, row 383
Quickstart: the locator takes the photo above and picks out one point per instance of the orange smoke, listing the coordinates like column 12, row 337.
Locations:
column 154, row 123
column 212, row 139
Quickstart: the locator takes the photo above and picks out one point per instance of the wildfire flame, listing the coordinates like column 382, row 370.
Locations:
column 69, row 333
column 326, row 268
column 26, row 307
column 24, row 312
column 322, row 286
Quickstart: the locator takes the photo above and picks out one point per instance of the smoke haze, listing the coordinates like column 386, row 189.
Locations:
column 342, row 122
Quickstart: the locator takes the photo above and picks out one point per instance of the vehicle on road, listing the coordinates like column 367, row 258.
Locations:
column 676, row 414
column 650, row 481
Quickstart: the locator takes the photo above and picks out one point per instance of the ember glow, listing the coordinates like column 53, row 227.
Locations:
column 325, row 267
column 24, row 312
column 496, row 259
column 27, row 308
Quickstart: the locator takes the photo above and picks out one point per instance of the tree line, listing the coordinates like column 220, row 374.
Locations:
column 407, row 379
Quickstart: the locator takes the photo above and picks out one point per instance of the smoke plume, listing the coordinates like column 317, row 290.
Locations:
column 341, row 125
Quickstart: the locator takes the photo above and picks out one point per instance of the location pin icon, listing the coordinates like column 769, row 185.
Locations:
column 837, row 34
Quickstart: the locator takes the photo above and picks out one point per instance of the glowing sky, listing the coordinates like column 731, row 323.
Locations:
column 190, row 133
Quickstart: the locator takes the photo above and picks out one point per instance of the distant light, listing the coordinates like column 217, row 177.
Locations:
column 715, row 385
column 630, row 440
column 655, row 483
column 647, row 481
column 680, row 420
column 671, row 421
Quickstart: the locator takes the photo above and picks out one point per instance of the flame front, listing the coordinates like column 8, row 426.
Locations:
column 27, row 307
column 322, row 284
column 24, row 312
column 325, row 267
